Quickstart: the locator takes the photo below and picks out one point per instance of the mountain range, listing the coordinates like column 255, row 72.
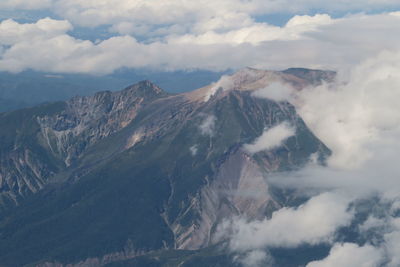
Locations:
column 30, row 88
column 143, row 177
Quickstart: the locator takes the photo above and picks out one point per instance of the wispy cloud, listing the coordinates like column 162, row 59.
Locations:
column 207, row 127
column 271, row 138
column 276, row 91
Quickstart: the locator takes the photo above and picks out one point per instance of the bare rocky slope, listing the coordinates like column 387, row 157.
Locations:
column 104, row 178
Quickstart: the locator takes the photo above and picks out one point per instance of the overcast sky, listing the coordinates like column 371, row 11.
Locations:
column 100, row 36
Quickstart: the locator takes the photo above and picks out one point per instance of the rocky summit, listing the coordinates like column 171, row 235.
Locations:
column 141, row 177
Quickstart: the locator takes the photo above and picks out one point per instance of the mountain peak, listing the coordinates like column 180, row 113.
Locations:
column 146, row 87
column 246, row 79
column 315, row 77
column 251, row 79
column 157, row 165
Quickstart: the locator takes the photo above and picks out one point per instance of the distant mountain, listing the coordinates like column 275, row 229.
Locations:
column 31, row 88
column 312, row 76
column 142, row 177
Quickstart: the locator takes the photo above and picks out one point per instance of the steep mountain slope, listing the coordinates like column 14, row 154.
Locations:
column 109, row 177
column 39, row 142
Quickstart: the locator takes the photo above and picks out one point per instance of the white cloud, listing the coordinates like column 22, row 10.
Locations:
column 378, row 175
column 359, row 119
column 208, row 125
column 255, row 258
column 235, row 81
column 312, row 223
column 225, row 83
column 372, row 223
column 216, row 14
column 193, row 150
column 256, row 33
column 271, row 138
column 392, row 245
column 62, row 53
column 358, row 116
column 94, row 13
column 12, row 32
column 315, row 42
column 25, row 4
column 359, row 185
column 350, row 255
column 391, row 238
column 126, row 28
column 223, row 23
column 275, row 91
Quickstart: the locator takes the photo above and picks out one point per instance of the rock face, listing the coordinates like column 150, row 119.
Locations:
column 82, row 179
column 239, row 188
column 22, row 173
column 86, row 120
column 64, row 136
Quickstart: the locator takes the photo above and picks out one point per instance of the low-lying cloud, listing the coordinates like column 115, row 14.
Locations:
column 358, row 118
column 276, row 92
column 207, row 126
column 350, row 255
column 225, row 83
column 271, row 138
column 312, row 223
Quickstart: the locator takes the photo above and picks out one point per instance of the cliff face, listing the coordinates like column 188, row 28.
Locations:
column 143, row 168
column 62, row 137
column 86, row 120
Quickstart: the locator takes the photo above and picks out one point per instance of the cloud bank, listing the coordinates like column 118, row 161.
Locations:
column 26, row 5
column 358, row 118
column 224, row 42
column 141, row 12
column 314, row 222
column 349, row 255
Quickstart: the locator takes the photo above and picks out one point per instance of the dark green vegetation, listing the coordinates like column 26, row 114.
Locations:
column 114, row 174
